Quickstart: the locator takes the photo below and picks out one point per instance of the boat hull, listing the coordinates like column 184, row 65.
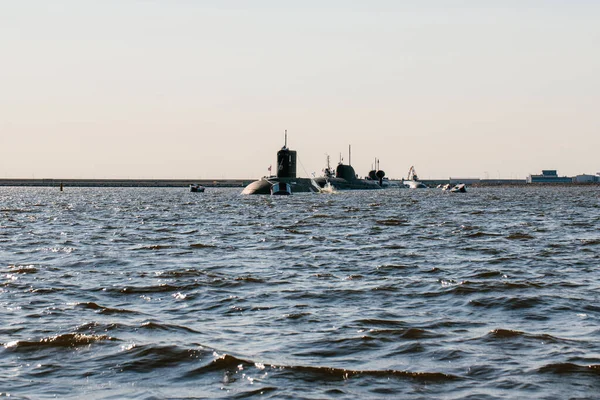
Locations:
column 414, row 184
column 197, row 188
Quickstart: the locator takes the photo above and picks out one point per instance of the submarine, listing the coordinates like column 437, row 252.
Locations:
column 284, row 178
column 345, row 178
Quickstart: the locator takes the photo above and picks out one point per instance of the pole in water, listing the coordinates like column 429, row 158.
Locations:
column 61, row 186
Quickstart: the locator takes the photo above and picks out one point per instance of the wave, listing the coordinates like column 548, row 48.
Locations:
column 318, row 374
column 570, row 368
column 47, row 290
column 154, row 247
column 519, row 236
column 249, row 279
column 502, row 260
column 481, row 234
column 502, row 334
column 328, row 373
column 96, row 326
column 166, row 327
column 190, row 272
column 466, row 287
column 162, row 288
column 21, row 269
column 296, row 232
column 65, row 340
column 392, row 222
column 104, row 310
column 509, row 303
column 202, row 246
column 395, row 267
column 487, row 274
column 15, row 210
column 379, row 322
column 589, row 242
column 146, row 358
column 298, row 315
column 404, row 333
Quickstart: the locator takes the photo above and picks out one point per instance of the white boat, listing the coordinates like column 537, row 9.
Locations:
column 458, row 188
column 412, row 182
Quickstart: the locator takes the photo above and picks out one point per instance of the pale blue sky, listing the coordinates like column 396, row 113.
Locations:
column 205, row 89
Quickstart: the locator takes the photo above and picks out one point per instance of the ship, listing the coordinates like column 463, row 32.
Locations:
column 285, row 177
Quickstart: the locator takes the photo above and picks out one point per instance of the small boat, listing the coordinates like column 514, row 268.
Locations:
column 460, row 188
column 197, row 188
column 281, row 189
column 413, row 180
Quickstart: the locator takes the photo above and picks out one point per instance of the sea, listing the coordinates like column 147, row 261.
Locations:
column 160, row 293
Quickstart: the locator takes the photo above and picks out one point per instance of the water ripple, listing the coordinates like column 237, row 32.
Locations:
column 163, row 293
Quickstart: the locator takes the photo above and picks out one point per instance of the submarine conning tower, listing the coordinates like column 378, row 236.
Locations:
column 345, row 172
column 286, row 161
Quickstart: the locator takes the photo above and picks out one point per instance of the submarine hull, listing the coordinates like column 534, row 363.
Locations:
column 344, row 184
column 263, row 186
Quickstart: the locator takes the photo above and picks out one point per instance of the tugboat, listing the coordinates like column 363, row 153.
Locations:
column 285, row 179
column 413, row 180
column 345, row 178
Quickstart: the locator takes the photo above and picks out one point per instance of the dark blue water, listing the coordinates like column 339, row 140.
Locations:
column 417, row 294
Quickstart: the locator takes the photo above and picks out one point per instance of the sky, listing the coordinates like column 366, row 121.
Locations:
column 203, row 89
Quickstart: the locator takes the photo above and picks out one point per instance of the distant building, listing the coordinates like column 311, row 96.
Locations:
column 586, row 179
column 549, row 176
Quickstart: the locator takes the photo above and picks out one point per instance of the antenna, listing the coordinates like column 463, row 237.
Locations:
column 285, row 145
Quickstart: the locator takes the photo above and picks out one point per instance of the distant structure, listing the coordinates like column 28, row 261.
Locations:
column 466, row 181
column 587, row 178
column 549, row 176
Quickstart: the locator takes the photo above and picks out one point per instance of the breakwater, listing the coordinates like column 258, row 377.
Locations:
column 205, row 182
column 241, row 182
column 125, row 182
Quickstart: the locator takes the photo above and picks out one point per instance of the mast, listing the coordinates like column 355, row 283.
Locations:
column 349, row 155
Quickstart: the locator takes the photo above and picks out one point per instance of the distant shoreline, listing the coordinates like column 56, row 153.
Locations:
column 125, row 182
column 236, row 182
